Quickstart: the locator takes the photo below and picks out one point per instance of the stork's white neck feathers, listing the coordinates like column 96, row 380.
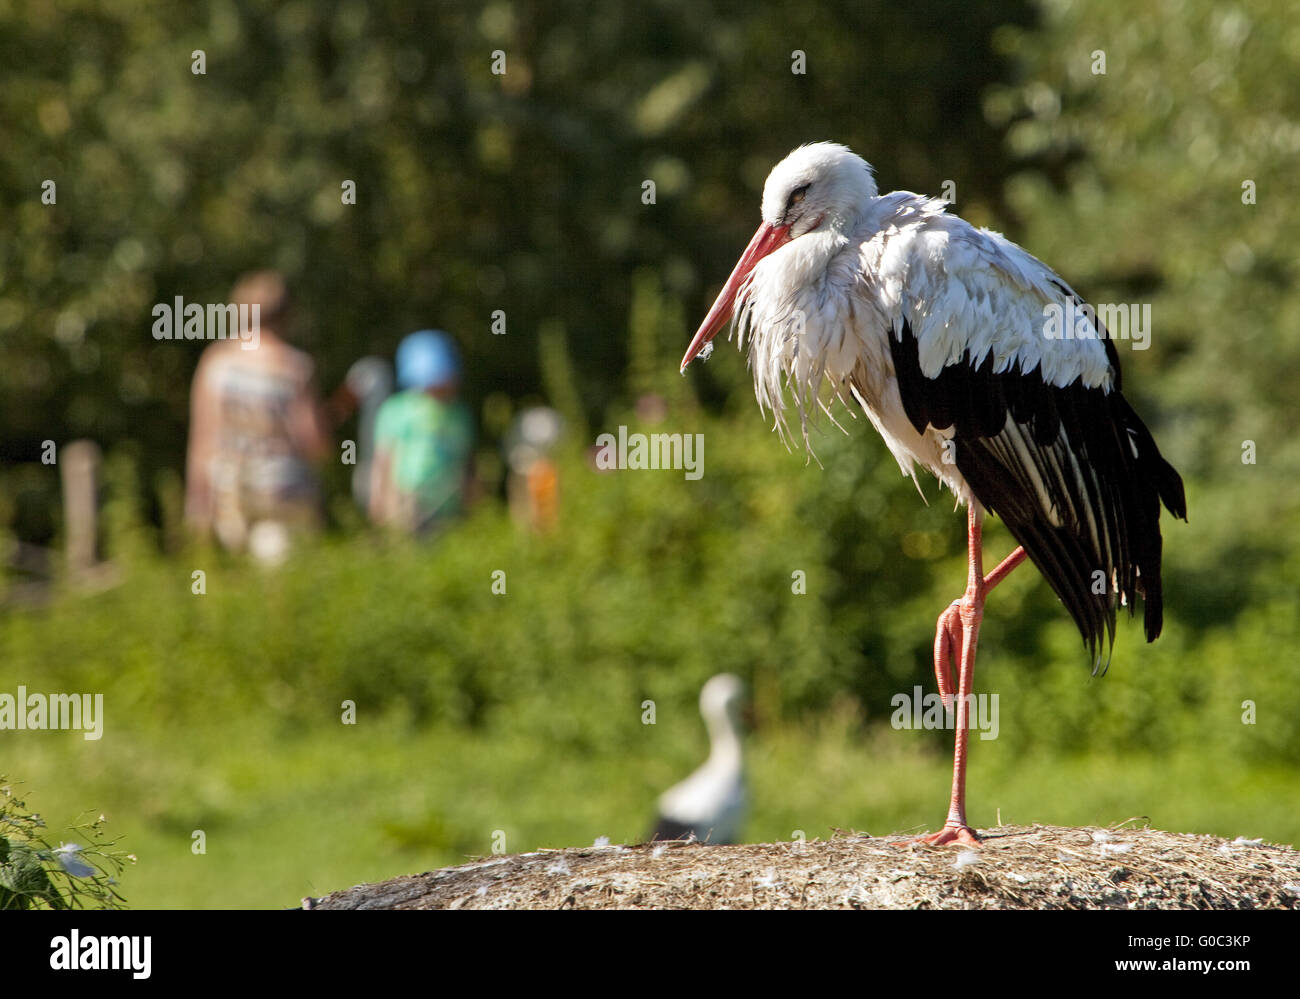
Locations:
column 822, row 192
column 719, row 703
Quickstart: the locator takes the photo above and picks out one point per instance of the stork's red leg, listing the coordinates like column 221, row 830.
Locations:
column 958, row 629
column 947, row 635
column 1003, row 570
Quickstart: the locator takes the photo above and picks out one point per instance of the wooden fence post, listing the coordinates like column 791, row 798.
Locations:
column 79, row 471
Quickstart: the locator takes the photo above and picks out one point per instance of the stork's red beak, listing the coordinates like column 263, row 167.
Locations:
column 767, row 239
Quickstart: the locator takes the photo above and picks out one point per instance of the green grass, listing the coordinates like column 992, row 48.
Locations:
column 305, row 814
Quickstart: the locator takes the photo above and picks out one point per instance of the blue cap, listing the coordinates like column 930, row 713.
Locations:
column 427, row 359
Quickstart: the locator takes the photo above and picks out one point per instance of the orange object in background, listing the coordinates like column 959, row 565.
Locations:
column 543, row 480
column 533, row 485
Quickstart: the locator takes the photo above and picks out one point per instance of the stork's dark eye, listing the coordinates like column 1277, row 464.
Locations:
column 797, row 195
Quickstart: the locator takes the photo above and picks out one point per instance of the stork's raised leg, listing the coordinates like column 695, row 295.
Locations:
column 958, row 629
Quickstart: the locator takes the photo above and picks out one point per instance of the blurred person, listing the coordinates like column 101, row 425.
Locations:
column 534, row 482
column 257, row 427
column 423, row 439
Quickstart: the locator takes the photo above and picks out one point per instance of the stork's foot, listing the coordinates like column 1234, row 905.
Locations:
column 959, row 833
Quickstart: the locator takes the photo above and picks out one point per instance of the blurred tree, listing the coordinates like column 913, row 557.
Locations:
column 189, row 142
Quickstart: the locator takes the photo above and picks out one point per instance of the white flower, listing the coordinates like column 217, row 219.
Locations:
column 73, row 864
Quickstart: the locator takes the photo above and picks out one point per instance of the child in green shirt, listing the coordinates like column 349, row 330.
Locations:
column 423, row 439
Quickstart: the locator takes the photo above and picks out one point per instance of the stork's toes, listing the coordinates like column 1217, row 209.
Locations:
column 962, row 835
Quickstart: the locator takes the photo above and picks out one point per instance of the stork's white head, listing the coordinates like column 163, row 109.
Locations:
column 819, row 187
column 721, row 697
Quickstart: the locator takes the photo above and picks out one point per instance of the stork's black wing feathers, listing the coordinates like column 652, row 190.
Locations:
column 670, row 829
column 1072, row 471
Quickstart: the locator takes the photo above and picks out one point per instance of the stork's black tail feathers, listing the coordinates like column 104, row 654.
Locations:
column 1072, row 471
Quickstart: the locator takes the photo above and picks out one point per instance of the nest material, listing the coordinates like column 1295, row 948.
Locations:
column 1018, row 867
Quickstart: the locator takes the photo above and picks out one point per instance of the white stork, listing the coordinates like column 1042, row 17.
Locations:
column 710, row 804
column 940, row 333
